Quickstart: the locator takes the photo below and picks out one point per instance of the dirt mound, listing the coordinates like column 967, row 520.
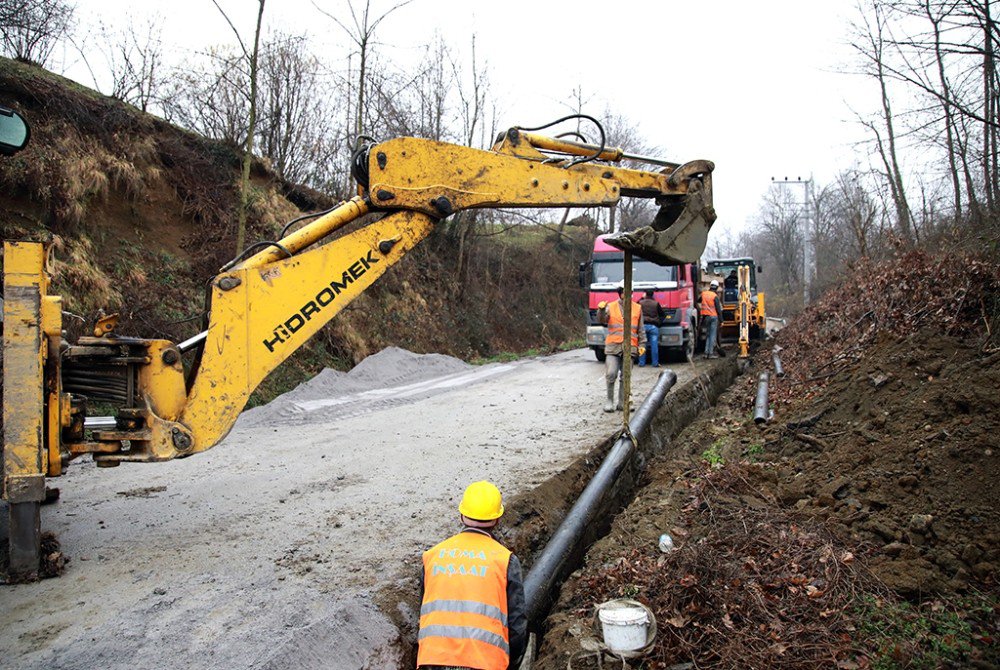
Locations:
column 753, row 587
column 901, row 451
column 953, row 294
column 860, row 527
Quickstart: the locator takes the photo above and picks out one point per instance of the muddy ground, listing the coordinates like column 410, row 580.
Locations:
column 859, row 528
column 294, row 543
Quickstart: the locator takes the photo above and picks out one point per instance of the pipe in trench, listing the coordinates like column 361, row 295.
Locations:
column 553, row 563
column 779, row 369
column 760, row 409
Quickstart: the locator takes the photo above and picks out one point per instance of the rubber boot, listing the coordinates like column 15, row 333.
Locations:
column 621, row 395
column 609, row 406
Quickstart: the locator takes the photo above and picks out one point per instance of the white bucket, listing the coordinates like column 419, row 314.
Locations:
column 624, row 626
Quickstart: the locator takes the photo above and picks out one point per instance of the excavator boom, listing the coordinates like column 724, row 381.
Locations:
column 267, row 303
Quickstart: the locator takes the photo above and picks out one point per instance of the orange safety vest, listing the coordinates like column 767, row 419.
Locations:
column 708, row 303
column 463, row 616
column 616, row 324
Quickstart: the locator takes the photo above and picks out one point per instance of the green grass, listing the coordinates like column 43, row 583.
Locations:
column 921, row 637
column 713, row 455
column 508, row 356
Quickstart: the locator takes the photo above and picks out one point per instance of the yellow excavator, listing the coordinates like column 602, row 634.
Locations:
column 271, row 299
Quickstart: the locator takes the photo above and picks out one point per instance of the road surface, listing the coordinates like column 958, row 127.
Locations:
column 268, row 551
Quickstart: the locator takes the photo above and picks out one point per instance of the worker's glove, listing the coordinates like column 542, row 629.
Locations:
column 602, row 305
column 642, row 351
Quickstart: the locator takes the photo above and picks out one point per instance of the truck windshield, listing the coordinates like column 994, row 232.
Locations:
column 611, row 271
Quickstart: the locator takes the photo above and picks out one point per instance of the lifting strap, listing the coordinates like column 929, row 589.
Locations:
column 627, row 350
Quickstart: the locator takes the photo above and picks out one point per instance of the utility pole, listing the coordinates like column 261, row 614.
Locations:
column 808, row 228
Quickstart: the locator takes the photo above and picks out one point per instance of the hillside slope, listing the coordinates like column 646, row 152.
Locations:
column 142, row 213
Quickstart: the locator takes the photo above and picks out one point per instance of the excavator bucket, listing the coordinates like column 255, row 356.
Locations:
column 679, row 231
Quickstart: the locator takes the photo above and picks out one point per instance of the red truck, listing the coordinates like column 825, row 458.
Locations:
column 675, row 289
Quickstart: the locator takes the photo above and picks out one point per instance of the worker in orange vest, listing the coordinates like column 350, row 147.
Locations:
column 710, row 308
column 613, row 314
column 472, row 611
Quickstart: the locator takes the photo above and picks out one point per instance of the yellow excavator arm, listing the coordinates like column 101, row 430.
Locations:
column 264, row 306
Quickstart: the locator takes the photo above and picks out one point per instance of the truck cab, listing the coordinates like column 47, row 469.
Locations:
column 674, row 288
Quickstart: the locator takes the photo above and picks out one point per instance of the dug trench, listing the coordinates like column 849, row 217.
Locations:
column 859, row 528
column 533, row 516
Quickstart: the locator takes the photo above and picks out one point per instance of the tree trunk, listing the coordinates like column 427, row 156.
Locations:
column 949, row 122
column 903, row 217
column 241, row 228
column 989, row 131
column 358, row 124
column 562, row 224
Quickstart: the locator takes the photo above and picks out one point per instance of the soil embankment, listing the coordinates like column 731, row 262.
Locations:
column 859, row 528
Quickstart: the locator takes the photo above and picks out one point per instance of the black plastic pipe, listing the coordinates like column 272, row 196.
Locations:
column 760, row 410
column 554, row 562
column 779, row 369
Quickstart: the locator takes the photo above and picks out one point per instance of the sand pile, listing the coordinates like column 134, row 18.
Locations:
column 391, row 376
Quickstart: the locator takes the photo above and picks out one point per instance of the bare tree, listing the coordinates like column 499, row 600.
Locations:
column 211, row 100
column 857, row 212
column 296, row 113
column 871, row 45
column 361, row 32
column 940, row 55
column 31, row 29
column 577, row 104
column 779, row 232
column 251, row 56
column 936, row 15
column 623, row 132
column 473, row 94
column 134, row 57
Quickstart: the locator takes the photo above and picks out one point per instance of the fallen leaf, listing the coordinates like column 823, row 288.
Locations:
column 678, row 620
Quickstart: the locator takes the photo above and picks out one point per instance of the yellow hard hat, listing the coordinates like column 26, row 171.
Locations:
column 481, row 502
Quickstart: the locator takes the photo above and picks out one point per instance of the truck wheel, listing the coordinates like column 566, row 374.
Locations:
column 599, row 355
column 692, row 342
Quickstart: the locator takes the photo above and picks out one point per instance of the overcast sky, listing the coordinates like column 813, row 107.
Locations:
column 754, row 86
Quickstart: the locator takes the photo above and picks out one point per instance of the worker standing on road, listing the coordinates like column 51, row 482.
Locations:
column 652, row 319
column 710, row 308
column 472, row 611
column 613, row 316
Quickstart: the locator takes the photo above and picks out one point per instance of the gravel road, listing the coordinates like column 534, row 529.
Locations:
column 268, row 550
